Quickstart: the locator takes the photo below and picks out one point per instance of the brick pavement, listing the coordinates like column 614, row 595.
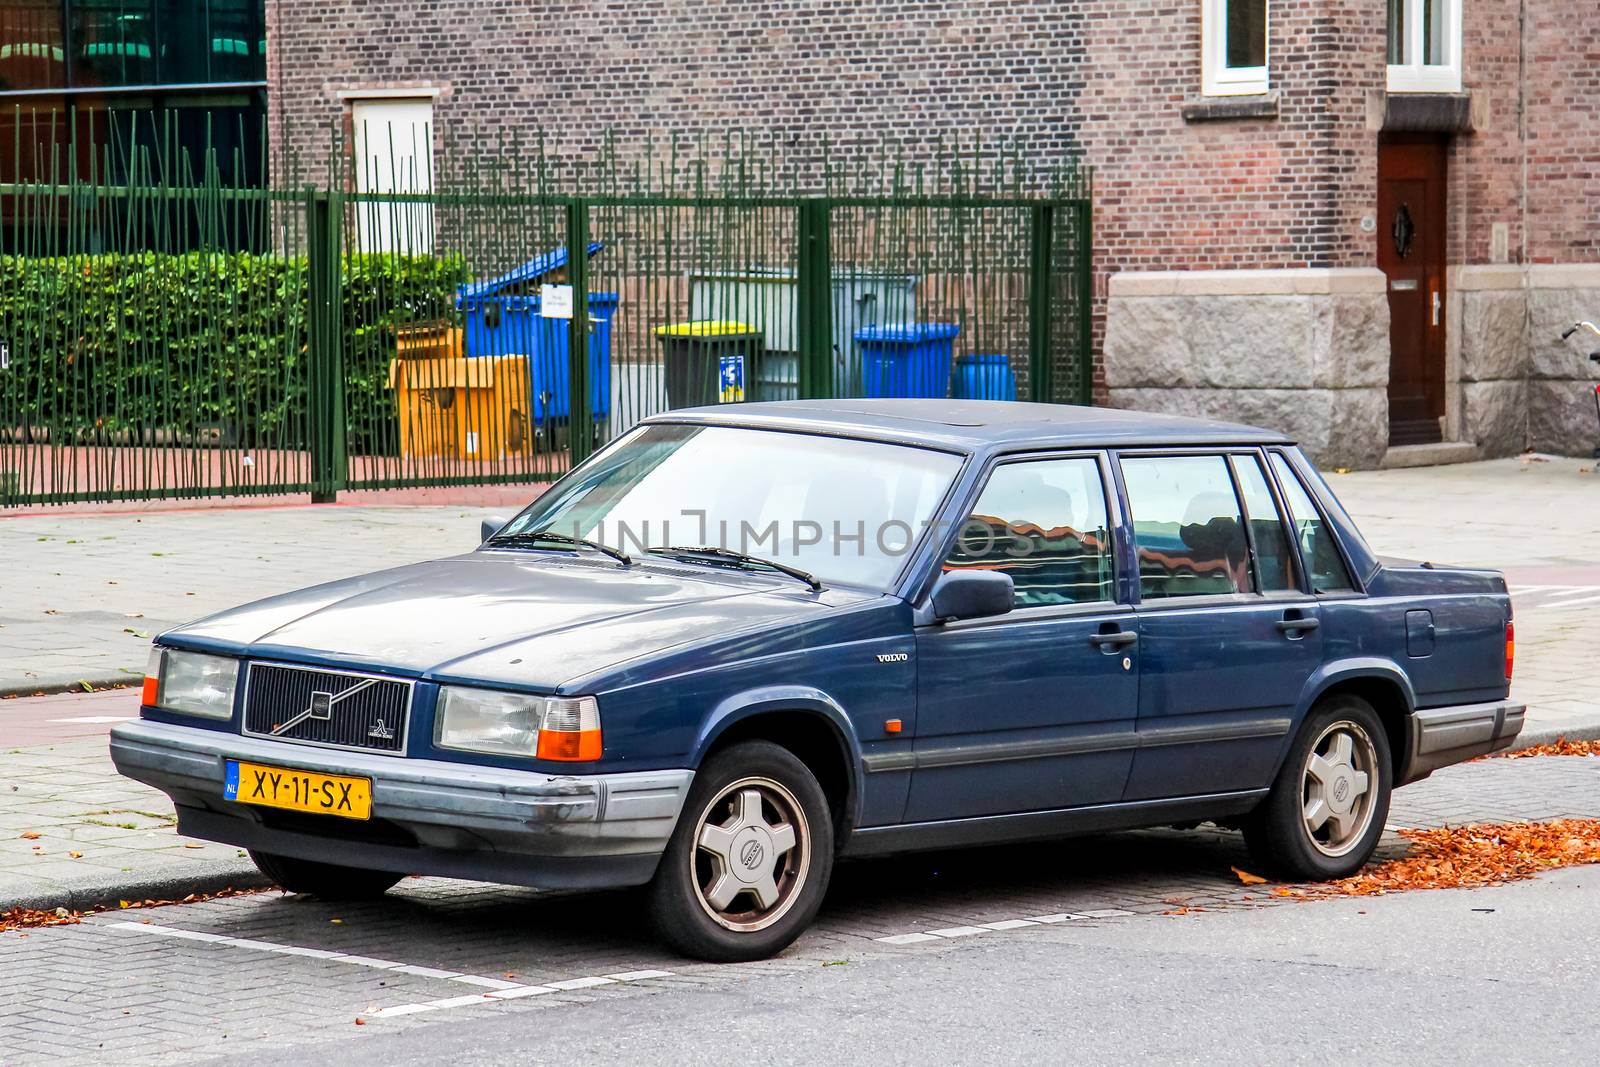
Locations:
column 148, row 997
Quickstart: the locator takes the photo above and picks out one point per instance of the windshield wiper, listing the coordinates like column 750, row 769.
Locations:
column 544, row 537
column 717, row 552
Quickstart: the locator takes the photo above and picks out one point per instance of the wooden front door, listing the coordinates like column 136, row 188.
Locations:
column 1411, row 234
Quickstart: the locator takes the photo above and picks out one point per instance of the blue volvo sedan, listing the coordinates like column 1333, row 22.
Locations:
column 740, row 643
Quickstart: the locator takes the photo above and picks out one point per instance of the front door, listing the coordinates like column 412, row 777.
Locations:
column 1411, row 239
column 1031, row 711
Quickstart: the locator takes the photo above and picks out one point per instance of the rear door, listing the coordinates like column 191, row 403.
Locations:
column 1228, row 634
column 1034, row 710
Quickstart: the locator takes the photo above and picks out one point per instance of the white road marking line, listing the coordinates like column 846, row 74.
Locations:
column 97, row 719
column 517, row 993
column 1573, row 590
column 958, row 931
column 367, row 961
column 581, row 983
column 313, row 953
column 401, row 1009
column 1000, row 925
column 498, row 988
column 1573, row 603
column 487, row 983
column 1521, row 589
column 428, row 972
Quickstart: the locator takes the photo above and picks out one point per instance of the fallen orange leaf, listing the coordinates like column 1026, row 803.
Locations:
column 76, row 855
column 31, row 835
column 1247, row 878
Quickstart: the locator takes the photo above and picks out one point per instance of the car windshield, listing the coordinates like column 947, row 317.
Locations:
column 843, row 510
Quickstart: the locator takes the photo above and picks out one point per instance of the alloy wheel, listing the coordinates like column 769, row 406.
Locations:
column 753, row 850
column 1338, row 788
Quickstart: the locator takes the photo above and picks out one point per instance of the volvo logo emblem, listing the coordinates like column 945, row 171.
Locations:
column 893, row 657
column 321, row 706
column 750, row 855
column 380, row 732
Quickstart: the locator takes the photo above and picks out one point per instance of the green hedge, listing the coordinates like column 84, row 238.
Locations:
column 163, row 347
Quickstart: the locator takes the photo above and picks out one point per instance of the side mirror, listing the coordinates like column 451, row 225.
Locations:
column 972, row 595
column 490, row 527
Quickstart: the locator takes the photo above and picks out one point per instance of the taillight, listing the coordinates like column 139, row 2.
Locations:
column 1511, row 647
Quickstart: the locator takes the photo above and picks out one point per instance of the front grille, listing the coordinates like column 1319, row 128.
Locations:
column 347, row 710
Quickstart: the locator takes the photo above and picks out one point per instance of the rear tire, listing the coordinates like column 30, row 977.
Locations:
column 325, row 880
column 1328, row 805
column 750, row 859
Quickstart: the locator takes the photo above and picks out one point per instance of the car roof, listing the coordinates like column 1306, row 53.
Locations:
column 977, row 425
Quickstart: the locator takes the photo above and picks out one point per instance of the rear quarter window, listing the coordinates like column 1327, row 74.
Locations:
column 1317, row 545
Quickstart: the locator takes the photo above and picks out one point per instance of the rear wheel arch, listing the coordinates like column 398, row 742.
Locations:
column 1389, row 697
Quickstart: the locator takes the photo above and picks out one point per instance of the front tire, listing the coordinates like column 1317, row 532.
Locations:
column 1328, row 805
column 325, row 880
column 749, row 862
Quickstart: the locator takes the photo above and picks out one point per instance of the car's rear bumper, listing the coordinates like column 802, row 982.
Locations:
column 1442, row 736
column 428, row 816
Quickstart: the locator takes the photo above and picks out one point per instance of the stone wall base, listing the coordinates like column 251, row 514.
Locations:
column 1561, row 377
column 1305, row 352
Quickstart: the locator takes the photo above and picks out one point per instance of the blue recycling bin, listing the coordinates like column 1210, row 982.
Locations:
column 985, row 377
column 501, row 323
column 910, row 359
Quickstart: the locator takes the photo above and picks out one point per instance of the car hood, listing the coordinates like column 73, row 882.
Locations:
column 509, row 617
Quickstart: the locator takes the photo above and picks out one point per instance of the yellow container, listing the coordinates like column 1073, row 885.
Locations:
column 462, row 408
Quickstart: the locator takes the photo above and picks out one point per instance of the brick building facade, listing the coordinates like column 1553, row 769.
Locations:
column 1284, row 189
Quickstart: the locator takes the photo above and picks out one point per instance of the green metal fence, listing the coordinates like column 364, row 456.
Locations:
column 165, row 335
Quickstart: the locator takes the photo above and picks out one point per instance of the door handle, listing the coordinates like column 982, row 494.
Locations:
column 1296, row 626
column 1436, row 307
column 1113, row 640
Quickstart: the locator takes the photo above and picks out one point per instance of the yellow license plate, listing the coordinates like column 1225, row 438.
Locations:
column 281, row 787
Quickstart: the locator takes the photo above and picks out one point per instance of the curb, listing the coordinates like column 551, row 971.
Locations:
column 1588, row 731
column 167, row 885
column 51, row 686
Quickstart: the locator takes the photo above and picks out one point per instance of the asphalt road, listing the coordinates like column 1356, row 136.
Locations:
column 1490, row 976
column 1095, row 949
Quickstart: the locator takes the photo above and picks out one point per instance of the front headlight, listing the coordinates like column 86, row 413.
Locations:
column 518, row 724
column 191, row 683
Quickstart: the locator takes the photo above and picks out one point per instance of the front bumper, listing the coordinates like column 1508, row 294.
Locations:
column 428, row 816
column 1442, row 736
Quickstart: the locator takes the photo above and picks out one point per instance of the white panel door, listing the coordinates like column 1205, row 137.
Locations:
column 394, row 154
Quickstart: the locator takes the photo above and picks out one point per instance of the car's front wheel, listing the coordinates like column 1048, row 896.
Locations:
column 749, row 862
column 1327, row 807
column 325, row 880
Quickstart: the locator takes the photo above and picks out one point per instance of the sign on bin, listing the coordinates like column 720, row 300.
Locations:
column 731, row 375
column 555, row 301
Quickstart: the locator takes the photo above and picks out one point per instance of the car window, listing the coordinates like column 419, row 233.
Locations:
column 1044, row 523
column 846, row 510
column 1266, row 526
column 1187, row 527
column 1317, row 548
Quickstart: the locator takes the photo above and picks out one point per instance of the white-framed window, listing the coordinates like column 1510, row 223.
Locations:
column 394, row 154
column 1233, row 41
column 1424, row 46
